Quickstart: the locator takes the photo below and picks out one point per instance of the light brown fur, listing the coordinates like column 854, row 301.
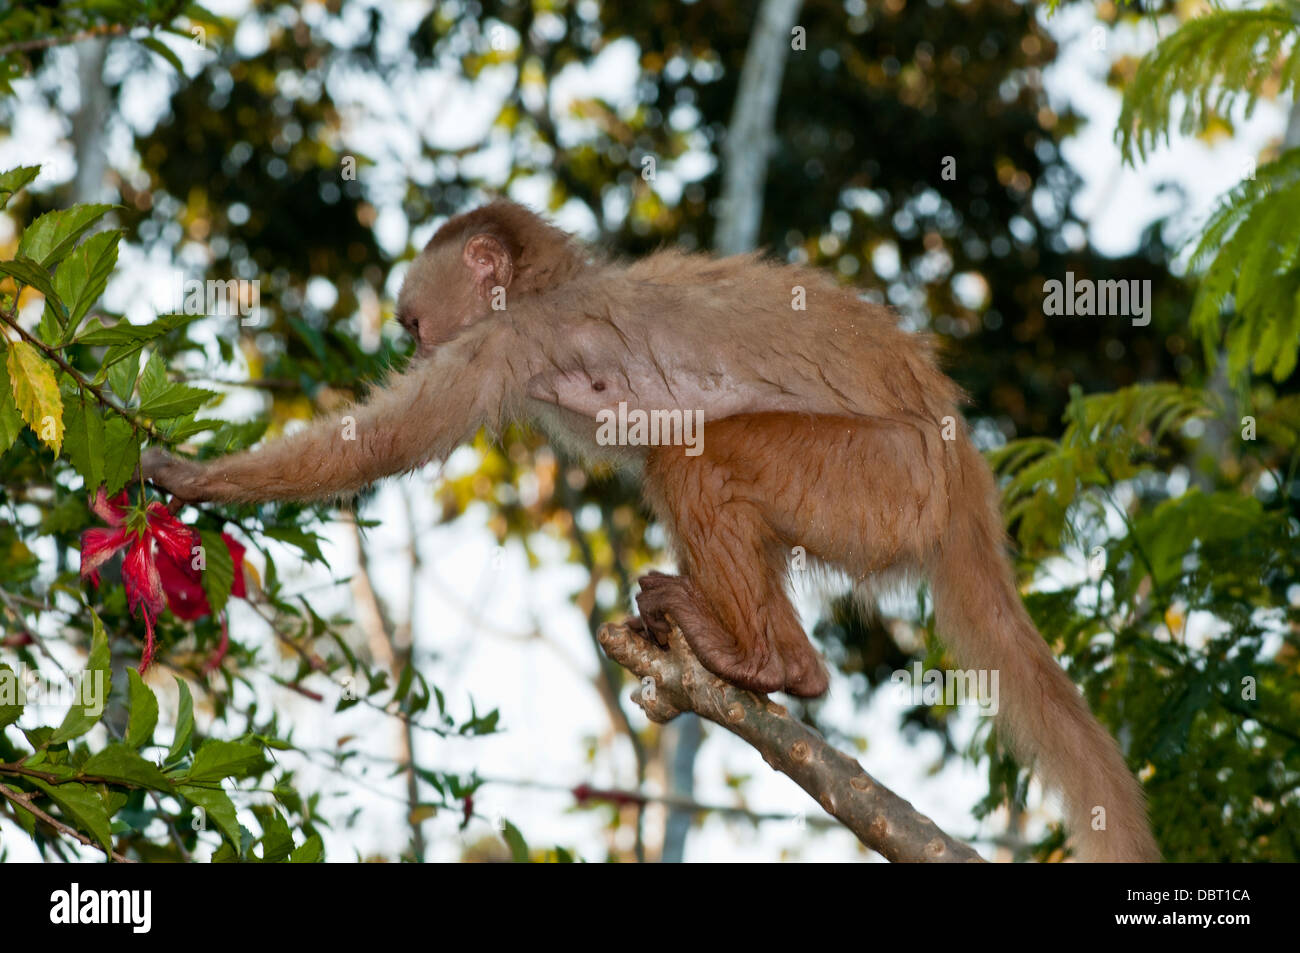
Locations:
column 824, row 429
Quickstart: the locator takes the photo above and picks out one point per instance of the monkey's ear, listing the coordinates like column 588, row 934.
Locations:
column 489, row 262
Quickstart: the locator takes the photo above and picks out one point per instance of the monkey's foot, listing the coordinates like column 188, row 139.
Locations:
column 805, row 675
column 638, row 627
column 757, row 667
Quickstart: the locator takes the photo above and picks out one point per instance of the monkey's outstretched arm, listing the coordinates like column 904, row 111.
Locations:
column 421, row 415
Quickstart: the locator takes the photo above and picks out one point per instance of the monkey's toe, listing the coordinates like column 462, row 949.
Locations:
column 640, row 627
column 756, row 667
column 807, row 683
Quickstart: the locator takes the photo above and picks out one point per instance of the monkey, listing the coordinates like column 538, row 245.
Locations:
column 827, row 427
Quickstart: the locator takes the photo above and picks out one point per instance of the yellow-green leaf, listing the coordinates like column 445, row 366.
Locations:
column 36, row 393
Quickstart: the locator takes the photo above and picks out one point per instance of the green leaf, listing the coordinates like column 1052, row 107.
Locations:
column 96, row 684
column 154, row 376
column 80, row 280
column 312, row 851
column 16, row 179
column 66, row 516
column 117, row 762
column 219, row 574
column 165, row 51
column 277, row 841
column 121, row 453
column 28, row 272
column 173, row 400
column 144, row 710
column 218, row 759
column 84, row 807
column 36, row 393
column 124, row 333
column 217, row 805
column 83, row 440
column 121, row 377
column 184, row 723
column 307, row 542
column 11, row 698
column 515, row 841
column 48, row 239
column 11, row 421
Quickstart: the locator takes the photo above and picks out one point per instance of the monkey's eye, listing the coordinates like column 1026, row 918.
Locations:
column 408, row 323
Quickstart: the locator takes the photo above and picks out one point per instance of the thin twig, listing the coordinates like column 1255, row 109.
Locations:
column 25, row 802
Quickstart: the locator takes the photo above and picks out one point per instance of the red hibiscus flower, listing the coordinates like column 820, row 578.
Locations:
column 169, row 576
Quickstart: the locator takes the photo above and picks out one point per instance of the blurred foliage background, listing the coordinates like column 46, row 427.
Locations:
column 314, row 148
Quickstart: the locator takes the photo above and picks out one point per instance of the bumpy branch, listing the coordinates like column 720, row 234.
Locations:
column 674, row 681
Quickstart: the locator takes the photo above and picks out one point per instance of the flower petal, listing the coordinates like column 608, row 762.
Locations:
column 150, row 645
column 185, row 596
column 140, row 574
column 112, row 512
column 98, row 546
column 174, row 537
column 238, row 587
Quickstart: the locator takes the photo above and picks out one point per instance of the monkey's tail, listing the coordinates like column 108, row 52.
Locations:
column 1040, row 712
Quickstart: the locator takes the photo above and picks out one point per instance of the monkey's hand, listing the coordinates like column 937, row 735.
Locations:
column 183, row 479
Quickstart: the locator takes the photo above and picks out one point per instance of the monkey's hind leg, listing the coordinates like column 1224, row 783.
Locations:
column 731, row 603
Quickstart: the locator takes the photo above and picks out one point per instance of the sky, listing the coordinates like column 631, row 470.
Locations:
column 478, row 607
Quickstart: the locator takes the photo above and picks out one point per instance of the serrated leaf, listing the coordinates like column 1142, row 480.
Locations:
column 81, row 278
column 154, row 376
column 121, row 377
column 117, row 762
column 217, row 759
column 48, row 239
column 83, row 806
column 144, row 710
column 277, row 841
column 125, row 334
column 50, row 328
column 14, row 180
column 184, row 723
column 216, row 805
column 83, row 440
column 28, row 272
column 312, row 851
column 173, row 400
column 121, row 453
column 11, row 421
column 96, row 684
column 219, row 574
column 36, row 393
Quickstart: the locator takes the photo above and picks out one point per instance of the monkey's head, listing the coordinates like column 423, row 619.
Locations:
column 474, row 264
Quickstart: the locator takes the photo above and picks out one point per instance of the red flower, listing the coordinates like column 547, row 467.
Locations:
column 182, row 580
column 154, row 579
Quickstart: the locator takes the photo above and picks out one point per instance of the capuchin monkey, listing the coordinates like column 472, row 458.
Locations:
column 826, row 427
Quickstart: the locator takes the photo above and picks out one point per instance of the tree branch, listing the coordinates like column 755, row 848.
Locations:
column 44, row 42
column 880, row 818
column 24, row 801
